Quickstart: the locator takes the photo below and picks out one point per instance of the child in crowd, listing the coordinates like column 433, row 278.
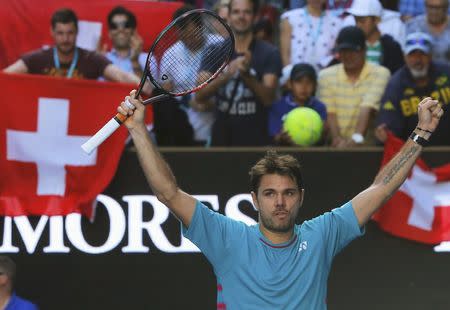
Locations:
column 302, row 85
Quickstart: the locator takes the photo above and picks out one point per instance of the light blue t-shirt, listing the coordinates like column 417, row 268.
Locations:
column 253, row 273
column 125, row 63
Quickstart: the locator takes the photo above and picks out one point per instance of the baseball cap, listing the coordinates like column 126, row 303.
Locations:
column 366, row 8
column 418, row 41
column 350, row 37
column 303, row 70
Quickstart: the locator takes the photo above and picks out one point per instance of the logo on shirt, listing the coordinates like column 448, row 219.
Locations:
column 388, row 106
column 441, row 80
column 303, row 246
column 408, row 91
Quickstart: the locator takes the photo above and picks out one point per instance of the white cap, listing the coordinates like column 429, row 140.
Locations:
column 366, row 8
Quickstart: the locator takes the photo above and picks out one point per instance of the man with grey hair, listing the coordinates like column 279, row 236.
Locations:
column 8, row 299
column 420, row 77
column 434, row 22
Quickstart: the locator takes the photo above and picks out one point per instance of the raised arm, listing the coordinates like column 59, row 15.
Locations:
column 156, row 170
column 394, row 173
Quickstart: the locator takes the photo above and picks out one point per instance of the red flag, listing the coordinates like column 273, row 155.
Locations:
column 30, row 20
column 420, row 209
column 43, row 123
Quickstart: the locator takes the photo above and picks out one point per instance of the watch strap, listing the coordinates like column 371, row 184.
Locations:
column 418, row 139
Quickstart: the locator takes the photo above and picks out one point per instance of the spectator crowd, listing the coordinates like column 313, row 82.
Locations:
column 362, row 65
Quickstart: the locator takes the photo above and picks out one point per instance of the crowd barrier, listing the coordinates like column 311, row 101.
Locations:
column 132, row 256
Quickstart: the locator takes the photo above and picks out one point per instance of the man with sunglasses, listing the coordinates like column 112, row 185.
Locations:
column 126, row 52
column 435, row 23
column 65, row 59
column 419, row 78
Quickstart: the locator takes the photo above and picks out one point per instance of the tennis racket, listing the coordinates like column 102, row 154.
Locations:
column 194, row 48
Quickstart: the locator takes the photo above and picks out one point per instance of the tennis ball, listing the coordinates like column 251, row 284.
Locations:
column 303, row 125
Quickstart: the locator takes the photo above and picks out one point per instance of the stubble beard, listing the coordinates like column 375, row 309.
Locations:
column 269, row 224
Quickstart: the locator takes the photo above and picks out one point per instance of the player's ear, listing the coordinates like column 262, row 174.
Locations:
column 302, row 195
column 255, row 201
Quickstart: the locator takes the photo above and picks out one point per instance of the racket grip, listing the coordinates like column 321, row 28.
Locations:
column 103, row 133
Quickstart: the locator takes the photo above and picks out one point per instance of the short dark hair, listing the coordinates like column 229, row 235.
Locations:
column 64, row 16
column 8, row 267
column 120, row 10
column 274, row 163
column 254, row 2
column 194, row 17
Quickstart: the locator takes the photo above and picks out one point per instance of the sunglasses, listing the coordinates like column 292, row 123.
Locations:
column 422, row 42
column 121, row 25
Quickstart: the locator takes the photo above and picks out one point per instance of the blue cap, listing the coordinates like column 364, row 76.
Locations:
column 418, row 41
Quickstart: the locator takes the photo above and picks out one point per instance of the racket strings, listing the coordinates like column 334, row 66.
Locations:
column 191, row 57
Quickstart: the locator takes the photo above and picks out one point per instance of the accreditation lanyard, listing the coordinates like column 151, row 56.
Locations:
column 311, row 26
column 73, row 64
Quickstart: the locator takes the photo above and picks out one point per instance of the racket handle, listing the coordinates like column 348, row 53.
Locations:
column 103, row 133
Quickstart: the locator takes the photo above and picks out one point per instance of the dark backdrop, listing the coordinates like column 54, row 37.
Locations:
column 376, row 271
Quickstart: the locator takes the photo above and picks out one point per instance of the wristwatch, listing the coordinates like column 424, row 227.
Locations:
column 357, row 138
column 418, row 139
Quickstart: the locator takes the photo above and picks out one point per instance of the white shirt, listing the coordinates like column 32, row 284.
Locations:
column 313, row 38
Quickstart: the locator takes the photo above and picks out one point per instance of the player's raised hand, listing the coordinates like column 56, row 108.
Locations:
column 133, row 109
column 429, row 113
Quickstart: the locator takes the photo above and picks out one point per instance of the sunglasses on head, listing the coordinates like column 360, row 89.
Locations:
column 418, row 41
column 122, row 25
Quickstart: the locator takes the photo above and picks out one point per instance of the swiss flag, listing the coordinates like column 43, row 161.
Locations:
column 43, row 123
column 420, row 209
column 30, row 20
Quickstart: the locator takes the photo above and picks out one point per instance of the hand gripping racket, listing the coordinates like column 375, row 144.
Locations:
column 194, row 49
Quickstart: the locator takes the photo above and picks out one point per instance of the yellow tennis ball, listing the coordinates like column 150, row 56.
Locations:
column 303, row 125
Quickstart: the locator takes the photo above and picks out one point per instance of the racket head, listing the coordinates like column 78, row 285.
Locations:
column 210, row 42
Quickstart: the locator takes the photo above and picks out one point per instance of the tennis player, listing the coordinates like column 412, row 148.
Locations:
column 274, row 264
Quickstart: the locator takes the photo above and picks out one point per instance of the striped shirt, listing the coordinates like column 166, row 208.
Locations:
column 345, row 98
column 373, row 53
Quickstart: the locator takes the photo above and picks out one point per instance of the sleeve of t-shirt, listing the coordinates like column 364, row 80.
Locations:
column 99, row 61
column 35, row 61
column 213, row 233
column 390, row 112
column 338, row 227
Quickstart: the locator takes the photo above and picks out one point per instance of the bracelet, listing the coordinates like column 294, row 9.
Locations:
column 429, row 131
column 418, row 139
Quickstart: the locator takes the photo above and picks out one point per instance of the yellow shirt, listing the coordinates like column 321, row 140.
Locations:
column 344, row 97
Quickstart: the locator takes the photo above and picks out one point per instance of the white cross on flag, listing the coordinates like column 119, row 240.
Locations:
column 43, row 123
column 420, row 210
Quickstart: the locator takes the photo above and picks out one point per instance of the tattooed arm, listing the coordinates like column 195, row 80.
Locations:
column 393, row 174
